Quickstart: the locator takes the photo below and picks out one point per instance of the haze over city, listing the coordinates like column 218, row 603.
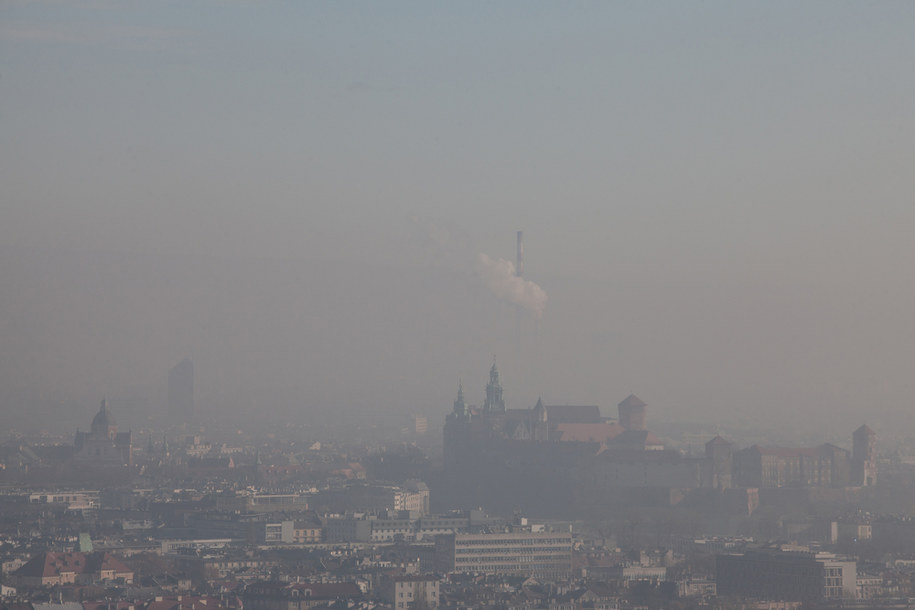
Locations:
column 310, row 200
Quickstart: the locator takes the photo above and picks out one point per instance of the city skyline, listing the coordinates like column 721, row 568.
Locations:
column 316, row 202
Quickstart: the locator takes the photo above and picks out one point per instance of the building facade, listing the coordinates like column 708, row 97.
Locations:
column 103, row 445
column 785, row 576
column 536, row 554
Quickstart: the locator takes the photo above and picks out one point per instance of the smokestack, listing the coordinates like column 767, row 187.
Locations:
column 519, row 269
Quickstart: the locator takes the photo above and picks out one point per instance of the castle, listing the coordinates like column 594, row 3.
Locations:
column 494, row 454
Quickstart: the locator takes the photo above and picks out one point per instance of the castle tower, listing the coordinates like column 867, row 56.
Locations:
column 864, row 457
column 719, row 457
column 632, row 413
column 494, row 402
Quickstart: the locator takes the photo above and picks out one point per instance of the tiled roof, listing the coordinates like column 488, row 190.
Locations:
column 589, row 432
column 573, row 414
column 50, row 564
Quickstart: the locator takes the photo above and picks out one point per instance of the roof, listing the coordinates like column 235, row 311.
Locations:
column 60, row 606
column 864, row 429
column 50, row 564
column 794, row 452
column 632, row 401
column 104, row 417
column 416, row 578
column 573, row 414
column 589, row 432
column 330, row 590
column 718, row 440
column 637, row 438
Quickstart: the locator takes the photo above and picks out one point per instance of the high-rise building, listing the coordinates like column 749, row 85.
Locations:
column 181, row 390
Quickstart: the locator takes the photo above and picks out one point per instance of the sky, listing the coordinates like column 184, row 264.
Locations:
column 716, row 199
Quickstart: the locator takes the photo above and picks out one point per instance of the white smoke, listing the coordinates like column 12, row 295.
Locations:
column 499, row 276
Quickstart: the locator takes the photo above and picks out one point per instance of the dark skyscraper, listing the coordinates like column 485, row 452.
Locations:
column 181, row 390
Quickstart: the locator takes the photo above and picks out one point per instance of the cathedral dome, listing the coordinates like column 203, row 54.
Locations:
column 104, row 418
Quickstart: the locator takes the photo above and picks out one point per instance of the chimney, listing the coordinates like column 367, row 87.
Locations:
column 519, row 269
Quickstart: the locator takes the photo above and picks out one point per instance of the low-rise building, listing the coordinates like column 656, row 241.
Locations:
column 49, row 569
column 786, row 576
column 411, row 591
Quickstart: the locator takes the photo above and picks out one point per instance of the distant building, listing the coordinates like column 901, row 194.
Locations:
column 299, row 596
column 103, row 445
column 864, row 457
column 823, row 466
column 719, row 454
column 181, row 390
column 413, row 497
column 307, row 532
column 49, row 569
column 503, row 457
column 538, row 554
column 411, row 591
column 785, row 576
column 632, row 413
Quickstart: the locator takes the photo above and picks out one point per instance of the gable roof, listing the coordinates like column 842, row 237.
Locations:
column 573, row 414
column 588, row 433
column 50, row 564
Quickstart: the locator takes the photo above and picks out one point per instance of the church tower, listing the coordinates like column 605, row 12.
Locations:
column 494, row 402
column 457, row 450
column 460, row 410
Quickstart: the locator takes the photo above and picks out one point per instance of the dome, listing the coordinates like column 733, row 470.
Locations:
column 104, row 418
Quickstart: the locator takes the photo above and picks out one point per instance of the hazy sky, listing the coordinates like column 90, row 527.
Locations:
column 717, row 199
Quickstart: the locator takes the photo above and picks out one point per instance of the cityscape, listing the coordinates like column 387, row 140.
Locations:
column 551, row 506
column 468, row 305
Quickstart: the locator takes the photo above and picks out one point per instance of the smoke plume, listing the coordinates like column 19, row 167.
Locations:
column 499, row 276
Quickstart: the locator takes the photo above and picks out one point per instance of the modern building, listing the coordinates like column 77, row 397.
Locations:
column 538, row 554
column 181, row 390
column 786, row 576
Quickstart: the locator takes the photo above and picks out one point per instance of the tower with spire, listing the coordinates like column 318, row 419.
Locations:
column 460, row 411
column 494, row 402
column 458, row 434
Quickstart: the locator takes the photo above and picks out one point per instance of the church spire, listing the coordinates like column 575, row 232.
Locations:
column 494, row 401
column 460, row 407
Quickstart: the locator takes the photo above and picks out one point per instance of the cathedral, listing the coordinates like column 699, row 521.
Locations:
column 103, row 445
